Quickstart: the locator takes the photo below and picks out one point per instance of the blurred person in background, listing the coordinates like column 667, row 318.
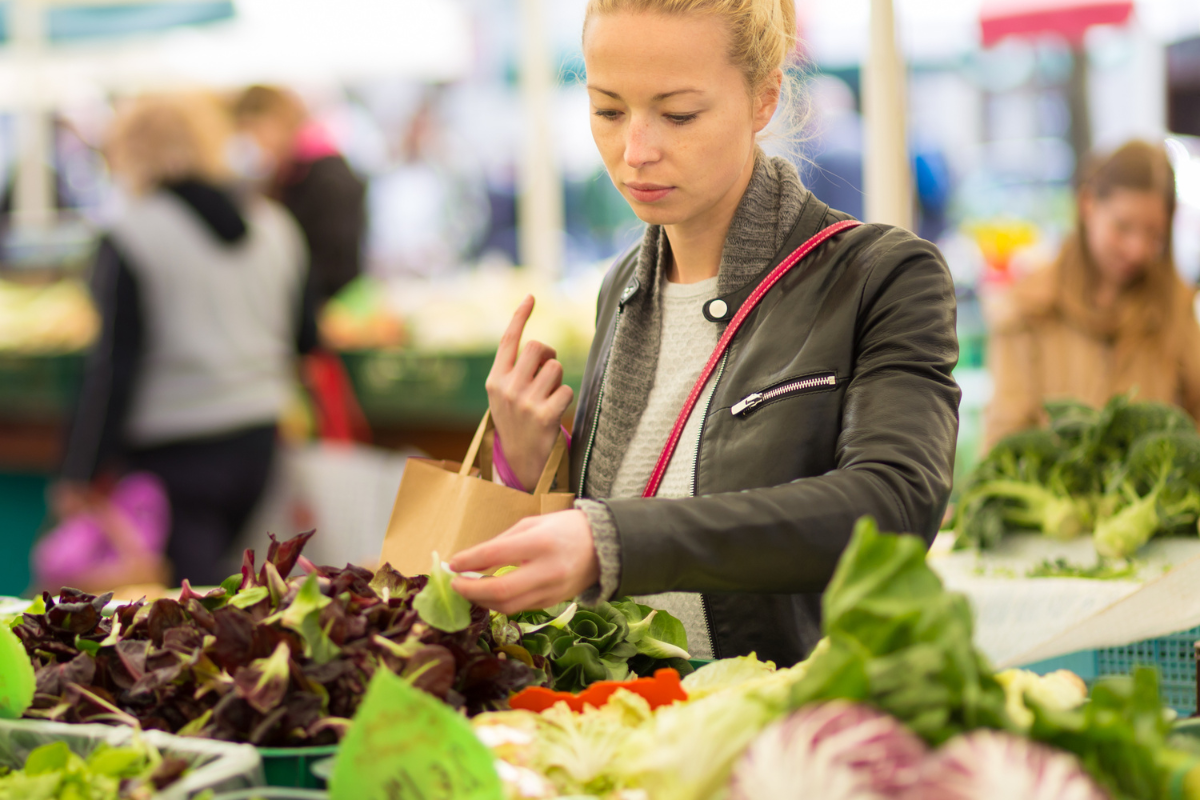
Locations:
column 305, row 172
column 205, row 304
column 1111, row 314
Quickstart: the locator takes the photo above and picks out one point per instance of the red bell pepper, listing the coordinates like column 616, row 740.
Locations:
column 663, row 689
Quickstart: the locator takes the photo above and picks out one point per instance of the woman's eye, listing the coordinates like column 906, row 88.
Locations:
column 607, row 113
column 681, row 119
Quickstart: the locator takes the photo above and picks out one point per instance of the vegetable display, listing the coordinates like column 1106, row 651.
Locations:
column 135, row 771
column 1123, row 474
column 610, row 642
column 895, row 703
column 264, row 659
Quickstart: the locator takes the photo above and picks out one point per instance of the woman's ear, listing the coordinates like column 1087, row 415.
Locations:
column 767, row 100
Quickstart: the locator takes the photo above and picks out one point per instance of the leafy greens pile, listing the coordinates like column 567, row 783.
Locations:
column 610, row 642
column 1123, row 473
column 265, row 659
column 136, row 771
column 897, row 642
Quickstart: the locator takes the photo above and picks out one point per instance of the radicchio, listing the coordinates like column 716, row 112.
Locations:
column 987, row 765
column 835, row 751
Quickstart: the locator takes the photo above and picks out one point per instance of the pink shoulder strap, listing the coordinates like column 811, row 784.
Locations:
column 660, row 469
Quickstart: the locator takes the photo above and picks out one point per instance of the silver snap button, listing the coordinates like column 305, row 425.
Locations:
column 717, row 309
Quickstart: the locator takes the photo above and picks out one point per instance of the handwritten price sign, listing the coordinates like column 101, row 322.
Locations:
column 406, row 745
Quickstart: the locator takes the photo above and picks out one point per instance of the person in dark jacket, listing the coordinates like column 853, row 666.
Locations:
column 834, row 400
column 312, row 179
column 205, row 303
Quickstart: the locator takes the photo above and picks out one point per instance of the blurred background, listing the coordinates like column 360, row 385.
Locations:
column 465, row 125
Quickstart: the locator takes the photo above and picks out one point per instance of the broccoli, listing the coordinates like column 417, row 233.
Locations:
column 1160, row 486
column 1122, row 422
column 1131, row 469
column 1043, row 508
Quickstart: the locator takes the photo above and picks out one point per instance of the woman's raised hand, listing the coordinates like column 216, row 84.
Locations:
column 527, row 398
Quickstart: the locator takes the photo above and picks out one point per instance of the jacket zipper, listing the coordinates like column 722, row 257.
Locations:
column 587, row 453
column 755, row 399
column 712, row 641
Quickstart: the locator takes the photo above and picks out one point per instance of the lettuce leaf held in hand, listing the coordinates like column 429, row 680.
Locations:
column 439, row 605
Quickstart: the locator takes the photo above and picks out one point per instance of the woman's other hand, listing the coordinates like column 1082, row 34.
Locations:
column 555, row 559
column 527, row 398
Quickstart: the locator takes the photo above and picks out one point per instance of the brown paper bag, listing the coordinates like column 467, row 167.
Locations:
column 446, row 507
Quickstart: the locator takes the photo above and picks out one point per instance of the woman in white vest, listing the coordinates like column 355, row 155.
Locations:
column 205, row 306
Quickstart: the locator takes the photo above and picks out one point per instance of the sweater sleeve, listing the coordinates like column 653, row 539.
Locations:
column 608, row 552
column 96, row 431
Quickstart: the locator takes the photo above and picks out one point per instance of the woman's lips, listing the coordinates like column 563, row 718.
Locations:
column 648, row 192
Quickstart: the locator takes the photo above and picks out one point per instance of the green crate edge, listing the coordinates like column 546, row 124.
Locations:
column 291, row 767
column 1177, row 693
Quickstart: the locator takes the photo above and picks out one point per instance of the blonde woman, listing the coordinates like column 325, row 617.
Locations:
column 203, row 300
column 834, row 400
column 1111, row 314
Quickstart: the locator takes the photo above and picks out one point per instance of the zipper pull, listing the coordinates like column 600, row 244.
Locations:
column 746, row 403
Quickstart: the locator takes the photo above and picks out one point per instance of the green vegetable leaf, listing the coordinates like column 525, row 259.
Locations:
column 87, row 646
column 560, row 622
column 231, row 584
column 439, row 605
column 304, row 617
column 664, row 637
column 117, row 762
column 48, row 758
column 250, row 597
column 579, row 666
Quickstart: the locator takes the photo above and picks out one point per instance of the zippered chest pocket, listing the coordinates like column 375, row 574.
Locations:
column 821, row 381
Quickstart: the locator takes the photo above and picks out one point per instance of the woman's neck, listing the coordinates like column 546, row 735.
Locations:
column 697, row 244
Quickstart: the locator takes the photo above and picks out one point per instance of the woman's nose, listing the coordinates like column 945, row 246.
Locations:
column 640, row 145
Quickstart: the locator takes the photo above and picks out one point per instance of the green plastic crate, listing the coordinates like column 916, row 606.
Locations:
column 1172, row 655
column 291, row 767
column 39, row 387
column 411, row 389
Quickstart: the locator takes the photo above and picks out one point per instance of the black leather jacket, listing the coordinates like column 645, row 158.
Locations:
column 869, row 317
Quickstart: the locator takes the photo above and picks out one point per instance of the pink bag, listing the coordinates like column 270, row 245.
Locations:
column 79, row 546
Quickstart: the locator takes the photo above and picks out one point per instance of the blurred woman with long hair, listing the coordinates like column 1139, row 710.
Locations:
column 1110, row 314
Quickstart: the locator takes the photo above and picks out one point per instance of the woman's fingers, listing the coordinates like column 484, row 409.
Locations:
column 508, row 549
column 547, row 379
column 506, row 593
column 533, row 357
column 510, row 340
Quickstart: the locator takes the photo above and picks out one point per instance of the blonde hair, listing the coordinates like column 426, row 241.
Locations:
column 160, row 139
column 762, row 39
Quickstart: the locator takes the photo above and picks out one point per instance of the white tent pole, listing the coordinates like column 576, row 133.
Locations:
column 540, row 193
column 34, row 192
column 887, row 176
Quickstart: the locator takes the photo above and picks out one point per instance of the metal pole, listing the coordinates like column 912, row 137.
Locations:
column 33, row 204
column 539, row 186
column 887, row 176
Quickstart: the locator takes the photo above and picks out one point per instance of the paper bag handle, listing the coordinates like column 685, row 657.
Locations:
column 558, row 465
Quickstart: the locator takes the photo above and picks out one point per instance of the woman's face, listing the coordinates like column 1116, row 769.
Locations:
column 671, row 114
column 1126, row 232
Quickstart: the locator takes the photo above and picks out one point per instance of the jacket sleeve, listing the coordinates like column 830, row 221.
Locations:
column 895, row 457
column 96, row 430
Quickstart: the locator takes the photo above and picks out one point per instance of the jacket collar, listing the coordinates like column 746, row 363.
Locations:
column 775, row 210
